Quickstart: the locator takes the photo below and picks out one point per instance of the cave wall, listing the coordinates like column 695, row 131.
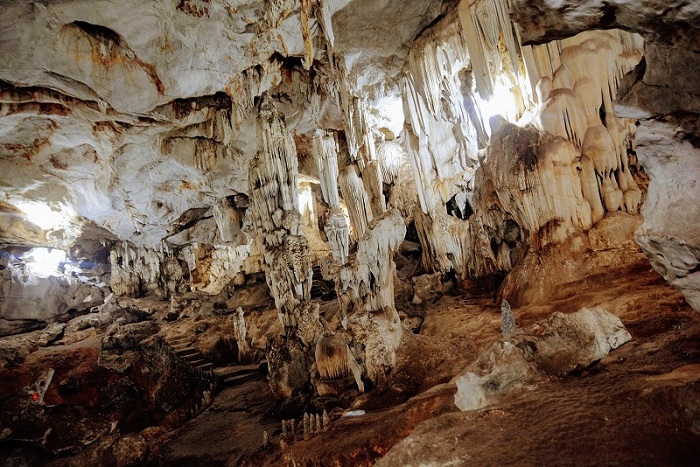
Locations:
column 31, row 299
column 662, row 95
column 482, row 207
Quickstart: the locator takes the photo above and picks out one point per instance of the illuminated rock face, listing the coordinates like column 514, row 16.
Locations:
column 40, row 287
column 664, row 97
column 534, row 185
column 200, row 143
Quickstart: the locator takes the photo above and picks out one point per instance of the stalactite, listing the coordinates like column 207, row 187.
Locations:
column 483, row 23
column 338, row 234
column 248, row 85
column 441, row 146
column 374, row 185
column 357, row 200
column 305, row 18
column 228, row 220
column 325, row 151
column 324, row 17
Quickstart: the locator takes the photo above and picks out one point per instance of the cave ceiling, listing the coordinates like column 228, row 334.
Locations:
column 123, row 120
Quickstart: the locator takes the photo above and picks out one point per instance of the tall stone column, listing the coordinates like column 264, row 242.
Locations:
column 287, row 257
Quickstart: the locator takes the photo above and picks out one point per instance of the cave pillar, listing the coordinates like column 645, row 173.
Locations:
column 365, row 290
column 287, row 257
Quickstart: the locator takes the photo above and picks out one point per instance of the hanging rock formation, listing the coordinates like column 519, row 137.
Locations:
column 534, row 184
column 325, row 152
column 662, row 95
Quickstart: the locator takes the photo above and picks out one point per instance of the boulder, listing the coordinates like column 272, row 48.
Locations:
column 563, row 343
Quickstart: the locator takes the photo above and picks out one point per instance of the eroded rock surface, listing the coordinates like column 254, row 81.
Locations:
column 559, row 345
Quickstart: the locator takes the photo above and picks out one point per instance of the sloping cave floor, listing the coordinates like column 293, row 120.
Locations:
column 640, row 405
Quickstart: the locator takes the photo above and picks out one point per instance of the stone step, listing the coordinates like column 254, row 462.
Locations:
column 195, row 362
column 180, row 343
column 182, row 353
column 177, row 340
column 229, row 371
column 240, row 379
column 204, row 366
column 182, row 346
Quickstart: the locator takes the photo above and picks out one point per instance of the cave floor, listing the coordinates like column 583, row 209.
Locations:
column 230, row 429
column 639, row 405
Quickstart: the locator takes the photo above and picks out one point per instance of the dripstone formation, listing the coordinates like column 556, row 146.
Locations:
column 320, row 209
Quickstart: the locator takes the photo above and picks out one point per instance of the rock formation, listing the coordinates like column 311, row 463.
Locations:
column 300, row 183
column 662, row 97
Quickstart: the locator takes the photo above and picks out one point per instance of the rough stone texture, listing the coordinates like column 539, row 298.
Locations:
column 559, row 345
column 28, row 305
column 568, row 342
column 663, row 95
column 544, row 20
column 130, row 450
column 500, row 368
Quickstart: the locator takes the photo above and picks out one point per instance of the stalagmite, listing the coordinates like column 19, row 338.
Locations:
column 239, row 333
column 508, row 325
column 307, row 426
column 326, row 421
column 335, row 363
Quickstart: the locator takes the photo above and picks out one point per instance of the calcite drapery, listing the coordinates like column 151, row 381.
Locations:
column 538, row 181
column 357, row 200
column 366, row 292
column 663, row 96
column 325, row 150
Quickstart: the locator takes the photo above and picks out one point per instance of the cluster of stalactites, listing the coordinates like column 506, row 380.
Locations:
column 137, row 271
column 288, row 267
column 357, row 131
column 361, row 181
column 356, row 198
column 443, row 121
column 334, row 360
column 275, row 213
column 273, row 173
column 248, row 85
column 368, row 277
column 578, row 106
column 325, row 151
column 484, row 24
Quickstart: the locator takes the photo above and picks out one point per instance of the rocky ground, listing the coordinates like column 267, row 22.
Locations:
column 639, row 405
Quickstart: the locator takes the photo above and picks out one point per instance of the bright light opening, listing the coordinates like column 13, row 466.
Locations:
column 306, row 201
column 42, row 215
column 44, row 262
column 502, row 103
